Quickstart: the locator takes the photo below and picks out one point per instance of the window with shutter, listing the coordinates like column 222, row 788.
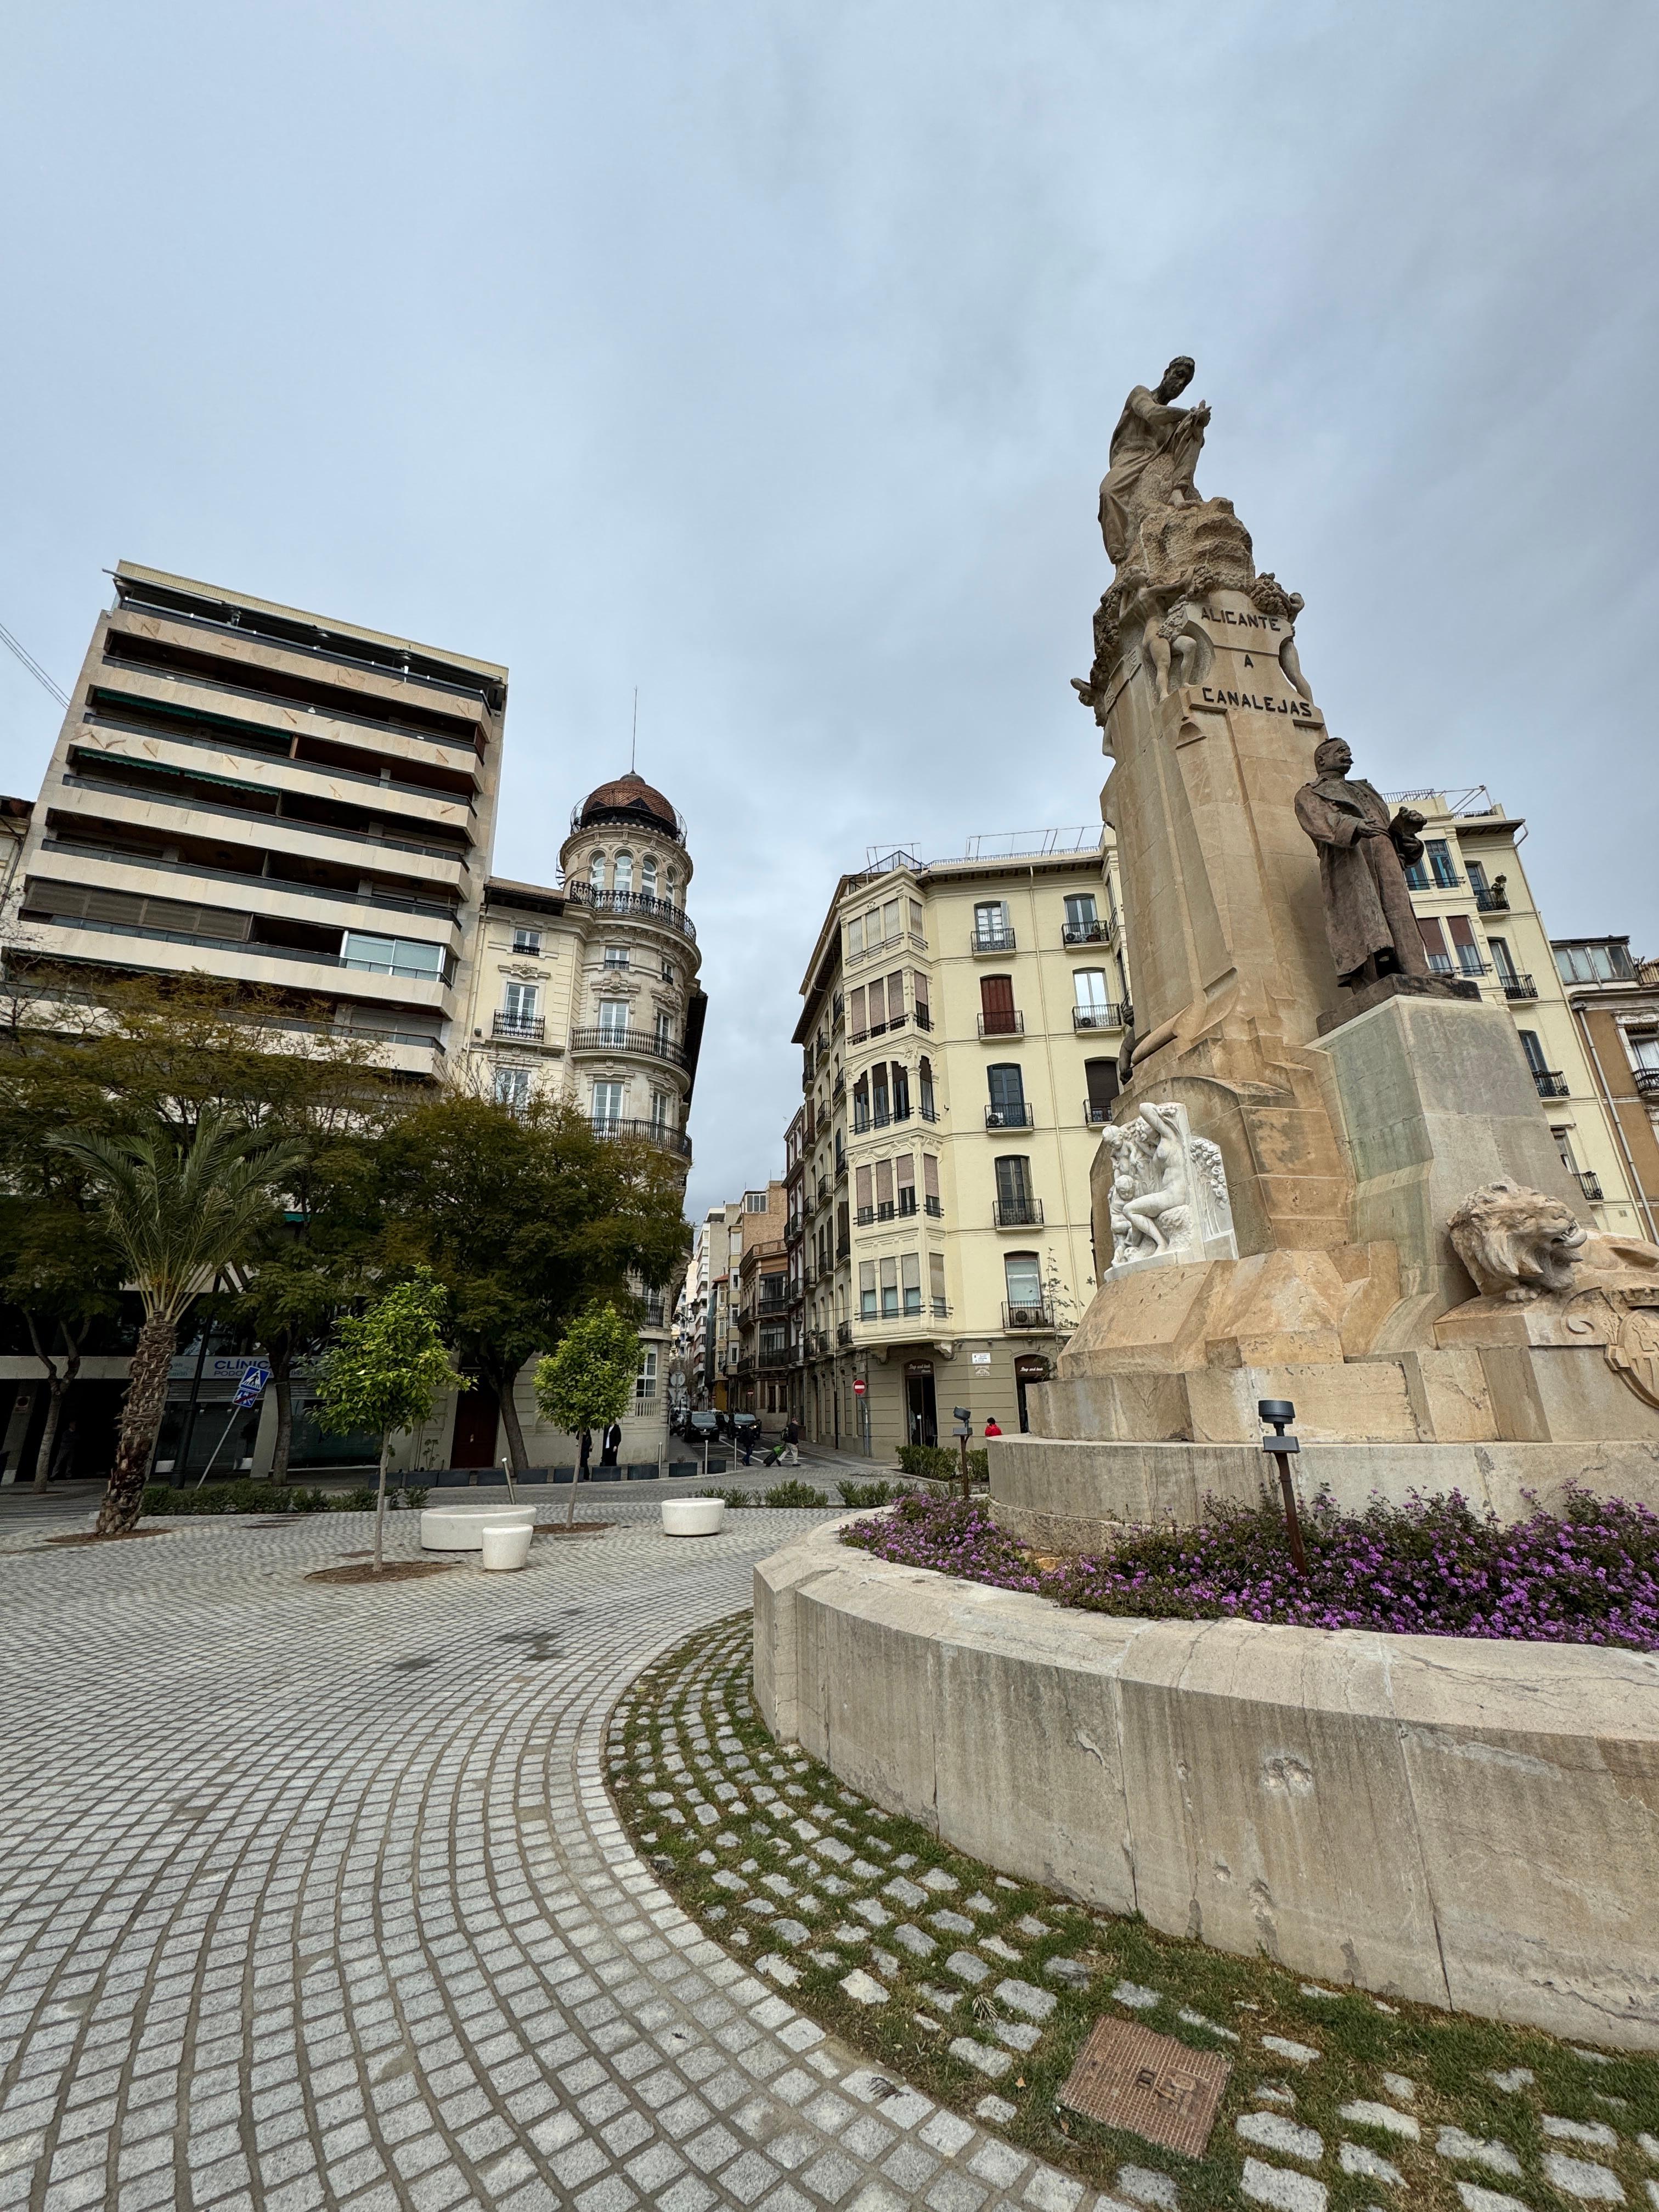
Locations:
column 936, row 1285
column 904, row 1177
column 1101, row 1077
column 896, row 997
column 1500, row 953
column 997, row 1016
column 915, row 917
column 919, row 1000
column 1463, row 943
column 901, row 1091
column 1533, row 1050
column 890, row 921
column 930, row 1182
column 1013, row 1186
column 857, row 1026
column 925, row 1090
column 910, row 1281
column 884, row 1190
column 1007, row 1083
column 890, row 1295
column 877, row 1006
column 867, row 1197
column 855, row 936
column 867, row 1289
column 1434, row 943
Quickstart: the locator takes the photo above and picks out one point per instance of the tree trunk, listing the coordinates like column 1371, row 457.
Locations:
column 141, row 1417
column 504, row 1398
column 379, row 1500
column 576, row 1473
column 282, row 1382
column 54, row 1403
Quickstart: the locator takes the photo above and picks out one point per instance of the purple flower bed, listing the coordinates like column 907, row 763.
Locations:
column 1434, row 1567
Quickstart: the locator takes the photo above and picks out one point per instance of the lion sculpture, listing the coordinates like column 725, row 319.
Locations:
column 1517, row 1243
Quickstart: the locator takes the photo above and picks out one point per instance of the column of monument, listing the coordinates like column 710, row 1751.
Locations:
column 1284, row 1018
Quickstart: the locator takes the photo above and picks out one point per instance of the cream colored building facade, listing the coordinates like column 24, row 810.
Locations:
column 255, row 792
column 960, row 1033
column 1479, row 919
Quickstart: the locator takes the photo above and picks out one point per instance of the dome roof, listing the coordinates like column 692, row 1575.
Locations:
column 629, row 798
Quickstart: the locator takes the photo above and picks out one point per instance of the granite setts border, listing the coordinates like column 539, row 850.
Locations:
column 1469, row 1825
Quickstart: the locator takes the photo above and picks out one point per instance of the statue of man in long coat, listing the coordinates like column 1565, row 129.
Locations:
column 1154, row 451
column 1364, row 853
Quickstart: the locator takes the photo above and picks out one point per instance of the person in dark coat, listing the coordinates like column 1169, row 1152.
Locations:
column 612, row 1445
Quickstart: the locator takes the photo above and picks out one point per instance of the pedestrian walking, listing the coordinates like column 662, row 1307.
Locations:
column 792, row 1442
column 611, row 1444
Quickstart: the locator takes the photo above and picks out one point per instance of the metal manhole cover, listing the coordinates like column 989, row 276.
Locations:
column 1125, row 2076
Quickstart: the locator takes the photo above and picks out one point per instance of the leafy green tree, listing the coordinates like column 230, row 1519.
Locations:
column 526, row 1216
column 386, row 1369
column 177, row 1210
column 588, row 1382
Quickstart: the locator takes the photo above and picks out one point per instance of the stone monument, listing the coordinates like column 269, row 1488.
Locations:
column 1286, row 1020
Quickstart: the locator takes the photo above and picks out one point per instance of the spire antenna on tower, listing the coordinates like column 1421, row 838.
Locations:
column 634, row 742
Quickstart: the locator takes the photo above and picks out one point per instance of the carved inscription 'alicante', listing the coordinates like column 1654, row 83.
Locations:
column 1237, row 621
column 1264, row 702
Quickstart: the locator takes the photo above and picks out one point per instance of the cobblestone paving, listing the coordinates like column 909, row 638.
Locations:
column 314, row 1896
column 981, row 1989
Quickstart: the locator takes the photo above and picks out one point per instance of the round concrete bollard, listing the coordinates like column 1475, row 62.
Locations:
column 506, row 1548
column 460, row 1527
column 692, row 1516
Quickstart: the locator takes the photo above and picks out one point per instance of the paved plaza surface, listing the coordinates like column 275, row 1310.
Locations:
column 314, row 1896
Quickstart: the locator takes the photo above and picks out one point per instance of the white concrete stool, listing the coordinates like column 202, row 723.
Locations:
column 460, row 1527
column 692, row 1516
column 505, row 1548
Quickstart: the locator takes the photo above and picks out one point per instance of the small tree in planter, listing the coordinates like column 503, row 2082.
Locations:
column 386, row 1369
column 588, row 1382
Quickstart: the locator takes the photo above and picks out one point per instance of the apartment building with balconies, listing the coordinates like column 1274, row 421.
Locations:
column 273, row 797
column 960, row 1033
column 1480, row 920
column 1614, row 1000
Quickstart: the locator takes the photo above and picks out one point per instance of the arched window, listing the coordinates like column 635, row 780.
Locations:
column 925, row 1090
column 621, row 876
column 596, row 872
column 648, row 877
column 668, row 893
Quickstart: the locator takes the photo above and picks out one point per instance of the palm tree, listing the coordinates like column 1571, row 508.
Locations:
column 177, row 1210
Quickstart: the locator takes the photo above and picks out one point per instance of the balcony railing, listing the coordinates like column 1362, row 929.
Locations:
column 1011, row 1117
column 1490, row 902
column 992, row 940
column 650, row 1132
column 635, row 906
column 1552, row 1083
column 1519, row 986
column 1017, row 1213
column 628, row 1040
column 530, row 1029
column 1031, row 1318
column 1084, row 932
column 1008, row 1022
column 934, row 1208
column 843, row 1332
column 1109, row 1016
column 774, row 1356
column 1647, row 1082
column 1589, row 1183
column 1095, row 1115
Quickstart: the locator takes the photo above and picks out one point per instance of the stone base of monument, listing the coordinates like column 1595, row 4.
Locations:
column 1399, row 986
column 1061, row 1495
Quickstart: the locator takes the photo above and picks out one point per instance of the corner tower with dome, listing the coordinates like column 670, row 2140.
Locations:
column 587, row 990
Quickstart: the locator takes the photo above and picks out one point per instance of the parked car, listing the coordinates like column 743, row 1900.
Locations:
column 702, row 1427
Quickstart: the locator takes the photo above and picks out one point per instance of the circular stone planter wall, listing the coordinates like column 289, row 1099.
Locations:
column 1471, row 1824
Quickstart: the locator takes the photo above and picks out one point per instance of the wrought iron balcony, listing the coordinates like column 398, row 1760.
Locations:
column 640, row 1042
column 1552, row 1083
column 1011, row 1117
column 1589, row 1183
column 992, row 940
column 1008, row 1023
column 1490, row 902
column 633, row 906
column 1030, row 1318
column 1096, row 1114
column 1017, row 1213
column 1108, row 1015
column 1647, row 1082
column 843, row 1332
column 1519, row 986
column 652, row 1132
column 525, row 1029
column 1084, row 932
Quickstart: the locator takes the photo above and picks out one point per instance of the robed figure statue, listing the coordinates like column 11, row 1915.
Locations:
column 1364, row 853
column 1154, row 451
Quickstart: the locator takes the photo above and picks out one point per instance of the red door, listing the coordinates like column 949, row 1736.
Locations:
column 476, row 1412
column 996, row 1005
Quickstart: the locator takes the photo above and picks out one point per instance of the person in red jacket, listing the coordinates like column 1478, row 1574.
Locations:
column 991, row 1430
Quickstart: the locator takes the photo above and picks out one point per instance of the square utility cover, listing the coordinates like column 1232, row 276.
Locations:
column 1125, row 2076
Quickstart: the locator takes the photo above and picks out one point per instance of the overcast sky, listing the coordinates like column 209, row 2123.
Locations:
column 765, row 356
